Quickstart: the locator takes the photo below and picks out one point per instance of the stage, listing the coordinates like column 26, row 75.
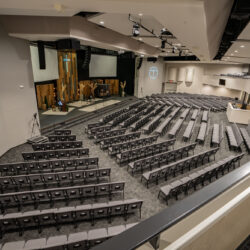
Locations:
column 78, row 108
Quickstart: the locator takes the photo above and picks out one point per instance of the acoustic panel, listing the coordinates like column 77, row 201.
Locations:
column 189, row 74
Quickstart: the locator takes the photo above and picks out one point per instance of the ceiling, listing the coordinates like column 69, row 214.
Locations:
column 123, row 24
column 240, row 49
column 197, row 24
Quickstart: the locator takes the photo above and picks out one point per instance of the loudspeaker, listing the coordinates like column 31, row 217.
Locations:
column 87, row 58
column 140, row 63
column 41, row 54
column 68, row 44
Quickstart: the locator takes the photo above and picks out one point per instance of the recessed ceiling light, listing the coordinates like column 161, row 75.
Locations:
column 140, row 14
column 101, row 22
column 242, row 46
column 236, row 51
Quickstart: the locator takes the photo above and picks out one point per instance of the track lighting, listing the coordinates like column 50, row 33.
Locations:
column 136, row 30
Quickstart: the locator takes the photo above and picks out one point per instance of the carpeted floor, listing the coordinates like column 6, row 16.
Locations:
column 133, row 187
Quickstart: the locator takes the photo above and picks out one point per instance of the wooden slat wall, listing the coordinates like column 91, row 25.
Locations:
column 68, row 76
column 45, row 90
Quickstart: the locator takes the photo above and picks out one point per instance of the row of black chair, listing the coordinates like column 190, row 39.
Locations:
column 164, row 125
column 19, row 222
column 179, row 166
column 50, row 154
column 54, row 138
column 56, row 145
column 189, row 130
column 217, row 134
column 195, row 114
column 91, row 132
column 201, row 137
column 143, row 120
column 246, row 137
column 160, row 159
column 118, row 139
column 134, row 154
column 122, row 117
column 30, row 167
column 35, row 181
column 75, row 241
column 184, row 184
column 62, row 132
column 234, row 137
column 100, row 136
column 132, row 119
column 81, row 192
column 117, row 148
column 92, row 125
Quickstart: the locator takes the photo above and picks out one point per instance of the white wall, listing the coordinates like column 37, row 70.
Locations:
column 17, row 105
column 202, row 70
column 147, row 85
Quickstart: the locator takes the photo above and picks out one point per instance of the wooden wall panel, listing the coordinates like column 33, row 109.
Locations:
column 45, row 90
column 68, row 79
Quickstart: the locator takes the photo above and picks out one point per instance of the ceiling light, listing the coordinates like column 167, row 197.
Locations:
column 140, row 39
column 136, row 30
column 163, row 29
column 141, row 55
column 236, row 51
column 101, row 22
column 140, row 14
column 232, row 54
column 242, row 46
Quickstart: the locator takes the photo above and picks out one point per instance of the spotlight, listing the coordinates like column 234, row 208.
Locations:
column 163, row 43
column 136, row 30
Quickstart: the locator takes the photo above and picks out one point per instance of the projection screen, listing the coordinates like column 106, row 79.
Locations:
column 102, row 66
column 51, row 61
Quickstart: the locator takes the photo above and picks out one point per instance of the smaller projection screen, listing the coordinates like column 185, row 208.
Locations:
column 102, row 66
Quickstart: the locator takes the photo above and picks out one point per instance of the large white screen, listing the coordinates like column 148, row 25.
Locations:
column 51, row 61
column 102, row 66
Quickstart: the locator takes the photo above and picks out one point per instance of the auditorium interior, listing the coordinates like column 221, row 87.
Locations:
column 125, row 124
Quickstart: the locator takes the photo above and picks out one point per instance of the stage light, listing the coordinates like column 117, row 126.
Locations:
column 163, row 43
column 136, row 30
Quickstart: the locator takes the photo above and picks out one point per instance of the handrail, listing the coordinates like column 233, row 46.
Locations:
column 153, row 226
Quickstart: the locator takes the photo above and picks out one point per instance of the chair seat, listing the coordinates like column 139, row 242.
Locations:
column 35, row 244
column 112, row 231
